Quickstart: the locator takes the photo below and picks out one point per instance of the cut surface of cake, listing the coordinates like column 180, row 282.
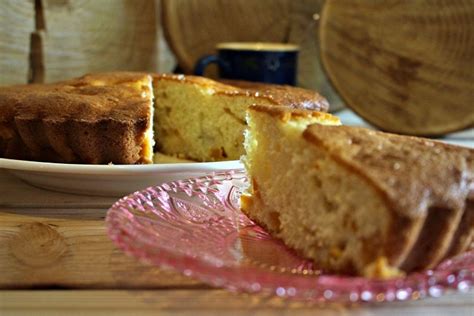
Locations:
column 357, row 201
column 204, row 120
column 97, row 119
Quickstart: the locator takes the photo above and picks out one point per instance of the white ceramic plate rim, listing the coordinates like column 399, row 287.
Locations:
column 51, row 167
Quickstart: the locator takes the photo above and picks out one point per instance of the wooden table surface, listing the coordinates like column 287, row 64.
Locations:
column 56, row 259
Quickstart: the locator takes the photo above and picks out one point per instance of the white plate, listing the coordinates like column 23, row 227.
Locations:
column 107, row 180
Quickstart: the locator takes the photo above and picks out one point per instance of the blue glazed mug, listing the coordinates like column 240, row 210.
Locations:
column 263, row 62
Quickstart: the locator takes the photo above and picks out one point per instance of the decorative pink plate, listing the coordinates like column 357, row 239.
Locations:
column 195, row 227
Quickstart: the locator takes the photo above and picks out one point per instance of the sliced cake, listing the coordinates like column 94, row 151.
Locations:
column 108, row 118
column 357, row 201
column 204, row 120
column 97, row 119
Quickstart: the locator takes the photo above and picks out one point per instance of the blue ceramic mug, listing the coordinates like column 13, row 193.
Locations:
column 263, row 62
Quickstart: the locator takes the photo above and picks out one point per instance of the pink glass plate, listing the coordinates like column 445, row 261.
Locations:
column 195, row 227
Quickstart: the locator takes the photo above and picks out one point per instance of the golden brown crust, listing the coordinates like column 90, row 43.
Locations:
column 464, row 235
column 434, row 239
column 426, row 185
column 117, row 96
column 71, row 121
column 285, row 113
column 401, row 237
column 414, row 173
column 291, row 97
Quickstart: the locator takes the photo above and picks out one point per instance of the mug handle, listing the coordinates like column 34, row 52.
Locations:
column 204, row 61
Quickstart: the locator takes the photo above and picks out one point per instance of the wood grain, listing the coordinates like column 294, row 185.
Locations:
column 17, row 22
column 182, row 302
column 69, row 248
column 208, row 302
column 89, row 36
column 166, row 58
column 194, row 27
column 15, row 193
column 304, row 30
column 405, row 66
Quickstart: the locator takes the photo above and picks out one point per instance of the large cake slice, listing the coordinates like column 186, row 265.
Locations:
column 354, row 200
column 204, row 120
column 98, row 119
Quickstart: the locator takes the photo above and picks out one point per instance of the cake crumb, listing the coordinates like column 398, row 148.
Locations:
column 381, row 269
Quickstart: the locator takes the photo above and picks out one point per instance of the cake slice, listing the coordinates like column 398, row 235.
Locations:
column 357, row 201
column 204, row 120
column 97, row 119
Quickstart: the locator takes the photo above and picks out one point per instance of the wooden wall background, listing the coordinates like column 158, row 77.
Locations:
column 17, row 23
column 50, row 40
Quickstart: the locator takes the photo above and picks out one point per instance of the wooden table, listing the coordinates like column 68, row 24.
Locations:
column 56, row 259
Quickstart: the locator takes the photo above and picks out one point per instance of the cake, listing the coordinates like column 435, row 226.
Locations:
column 96, row 119
column 204, row 120
column 357, row 201
column 109, row 118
